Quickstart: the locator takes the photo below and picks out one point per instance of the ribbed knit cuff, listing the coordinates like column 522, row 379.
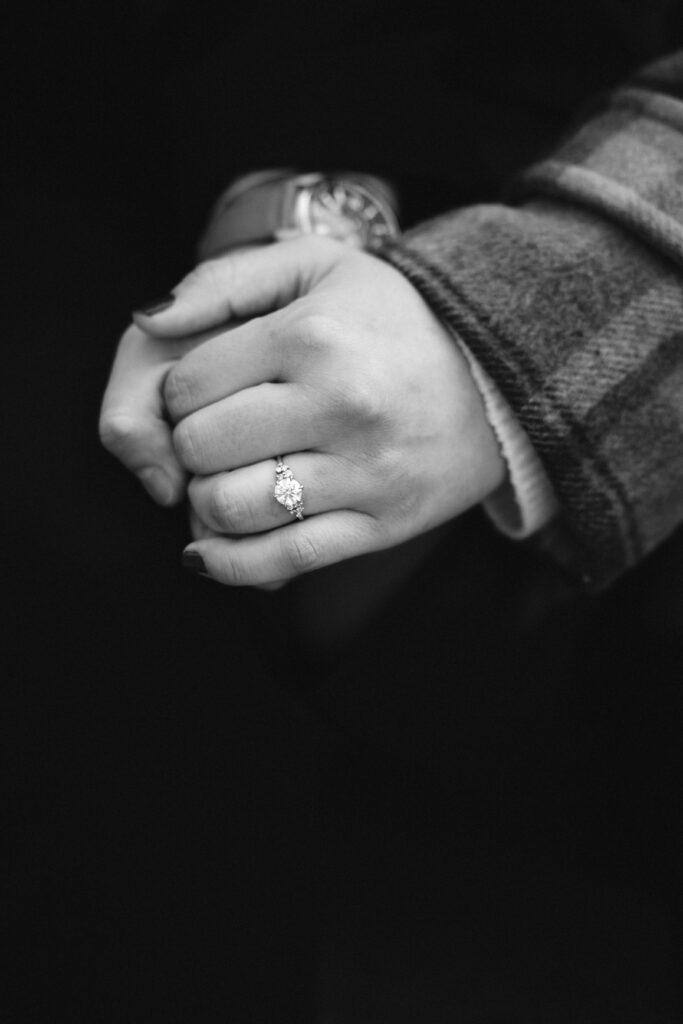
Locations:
column 526, row 502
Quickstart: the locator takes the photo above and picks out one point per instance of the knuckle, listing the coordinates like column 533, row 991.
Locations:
column 366, row 403
column 301, row 552
column 315, row 332
column 227, row 511
column 118, row 431
column 179, row 393
column 357, row 403
column 188, row 447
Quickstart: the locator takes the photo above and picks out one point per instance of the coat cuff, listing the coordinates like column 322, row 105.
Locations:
column 526, row 502
column 572, row 302
column 578, row 325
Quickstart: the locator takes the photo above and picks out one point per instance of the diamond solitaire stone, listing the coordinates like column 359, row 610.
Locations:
column 288, row 491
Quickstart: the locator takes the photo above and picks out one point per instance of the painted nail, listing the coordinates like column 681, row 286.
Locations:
column 193, row 561
column 158, row 485
column 155, row 306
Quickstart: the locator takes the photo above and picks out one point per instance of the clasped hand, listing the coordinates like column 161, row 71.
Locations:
column 322, row 354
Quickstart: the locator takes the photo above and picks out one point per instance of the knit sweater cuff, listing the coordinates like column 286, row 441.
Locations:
column 526, row 501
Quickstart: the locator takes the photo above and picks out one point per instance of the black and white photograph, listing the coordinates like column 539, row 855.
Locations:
column 343, row 498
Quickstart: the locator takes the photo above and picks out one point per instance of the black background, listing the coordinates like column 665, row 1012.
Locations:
column 466, row 810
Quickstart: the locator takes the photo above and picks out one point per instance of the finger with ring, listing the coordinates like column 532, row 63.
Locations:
column 244, row 501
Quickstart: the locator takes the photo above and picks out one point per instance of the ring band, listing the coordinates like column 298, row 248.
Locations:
column 288, row 491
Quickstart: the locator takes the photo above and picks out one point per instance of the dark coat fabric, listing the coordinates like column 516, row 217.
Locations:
column 572, row 301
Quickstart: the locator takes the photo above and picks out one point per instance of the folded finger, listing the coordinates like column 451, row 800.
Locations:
column 250, row 427
column 284, row 553
column 132, row 425
column 243, row 501
column 200, row 531
column 238, row 357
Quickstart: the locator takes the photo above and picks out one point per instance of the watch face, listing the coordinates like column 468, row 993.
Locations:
column 345, row 210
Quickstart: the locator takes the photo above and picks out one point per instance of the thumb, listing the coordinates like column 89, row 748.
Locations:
column 240, row 285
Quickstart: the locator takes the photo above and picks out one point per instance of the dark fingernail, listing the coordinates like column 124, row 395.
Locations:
column 193, row 561
column 155, row 306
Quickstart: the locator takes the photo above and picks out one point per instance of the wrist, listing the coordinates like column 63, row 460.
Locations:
column 270, row 205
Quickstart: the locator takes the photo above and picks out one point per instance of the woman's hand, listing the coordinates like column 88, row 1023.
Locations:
column 344, row 371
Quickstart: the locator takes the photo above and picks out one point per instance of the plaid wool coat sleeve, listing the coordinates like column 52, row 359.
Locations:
column 571, row 298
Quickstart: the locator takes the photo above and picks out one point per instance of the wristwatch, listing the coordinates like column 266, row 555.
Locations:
column 277, row 204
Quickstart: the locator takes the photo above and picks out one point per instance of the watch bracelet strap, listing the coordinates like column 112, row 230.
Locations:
column 250, row 218
column 258, row 207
